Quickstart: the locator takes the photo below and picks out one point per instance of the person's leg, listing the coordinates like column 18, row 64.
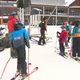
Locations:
column 22, row 59
column 69, row 34
column 74, row 46
column 44, row 42
column 78, row 48
column 18, row 62
column 39, row 42
column 61, row 47
column 66, row 42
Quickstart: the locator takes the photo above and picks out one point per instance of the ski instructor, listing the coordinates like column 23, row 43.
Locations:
column 43, row 28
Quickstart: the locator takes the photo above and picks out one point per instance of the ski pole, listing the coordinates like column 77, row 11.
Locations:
column 28, row 64
column 57, row 42
column 5, row 68
column 70, row 52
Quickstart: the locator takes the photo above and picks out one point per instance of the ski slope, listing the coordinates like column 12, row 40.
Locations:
column 51, row 65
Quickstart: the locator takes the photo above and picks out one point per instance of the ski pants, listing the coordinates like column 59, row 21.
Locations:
column 76, row 47
column 42, row 38
column 21, row 59
column 61, row 47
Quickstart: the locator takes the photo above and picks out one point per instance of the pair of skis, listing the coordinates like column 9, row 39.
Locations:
column 58, row 52
column 64, row 56
column 76, row 59
column 27, row 75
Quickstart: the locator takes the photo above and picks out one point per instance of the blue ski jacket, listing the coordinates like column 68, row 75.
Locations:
column 22, row 32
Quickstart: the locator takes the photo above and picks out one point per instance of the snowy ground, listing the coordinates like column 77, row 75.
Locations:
column 51, row 65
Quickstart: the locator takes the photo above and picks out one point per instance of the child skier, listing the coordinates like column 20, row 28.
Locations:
column 62, row 38
column 18, row 39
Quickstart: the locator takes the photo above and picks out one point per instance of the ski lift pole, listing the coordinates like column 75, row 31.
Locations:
column 20, row 17
column 22, row 14
column 51, row 13
column 56, row 14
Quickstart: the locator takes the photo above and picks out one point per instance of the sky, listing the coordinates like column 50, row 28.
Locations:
column 69, row 1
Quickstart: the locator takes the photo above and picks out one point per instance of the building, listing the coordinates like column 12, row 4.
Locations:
column 48, row 8
column 74, row 10
column 36, row 10
column 6, row 8
column 55, row 10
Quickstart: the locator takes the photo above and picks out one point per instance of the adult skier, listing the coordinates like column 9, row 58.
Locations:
column 76, row 41
column 12, row 18
column 19, row 37
column 43, row 28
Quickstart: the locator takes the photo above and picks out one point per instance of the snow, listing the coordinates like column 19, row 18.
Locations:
column 51, row 65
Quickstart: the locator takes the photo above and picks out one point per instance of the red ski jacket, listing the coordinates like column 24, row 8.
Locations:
column 63, row 36
column 11, row 21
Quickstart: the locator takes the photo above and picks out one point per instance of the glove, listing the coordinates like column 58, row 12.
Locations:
column 27, row 43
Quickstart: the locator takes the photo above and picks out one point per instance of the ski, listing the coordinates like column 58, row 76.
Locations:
column 14, row 78
column 64, row 56
column 34, row 70
column 76, row 59
column 67, row 54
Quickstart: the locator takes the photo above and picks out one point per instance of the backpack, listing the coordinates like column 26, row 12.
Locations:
column 18, row 41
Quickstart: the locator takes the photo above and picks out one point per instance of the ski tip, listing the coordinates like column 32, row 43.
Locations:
column 36, row 68
column 12, row 79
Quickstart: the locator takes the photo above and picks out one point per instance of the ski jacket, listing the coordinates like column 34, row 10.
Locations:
column 63, row 36
column 19, row 37
column 11, row 21
column 42, row 26
column 76, row 32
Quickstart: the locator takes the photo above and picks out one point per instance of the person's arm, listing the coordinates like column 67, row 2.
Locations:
column 58, row 34
column 26, row 35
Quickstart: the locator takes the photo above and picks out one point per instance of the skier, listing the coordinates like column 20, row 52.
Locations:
column 19, row 37
column 69, row 28
column 66, row 41
column 76, row 41
column 11, row 21
column 62, row 37
column 43, row 28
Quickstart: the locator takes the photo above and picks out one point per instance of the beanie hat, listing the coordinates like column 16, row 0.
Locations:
column 14, row 13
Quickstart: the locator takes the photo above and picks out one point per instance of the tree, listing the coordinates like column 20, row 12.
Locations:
column 26, row 3
column 23, row 3
column 20, row 3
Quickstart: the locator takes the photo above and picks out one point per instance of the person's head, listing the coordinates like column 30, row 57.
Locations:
column 65, row 24
column 17, row 26
column 70, row 22
column 76, row 23
column 45, row 19
column 14, row 14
